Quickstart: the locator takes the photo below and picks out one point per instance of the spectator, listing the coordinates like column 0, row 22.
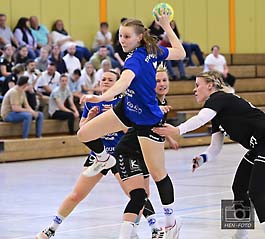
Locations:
column 99, row 56
column 182, row 74
column 88, row 79
column 6, row 61
column 42, row 61
column 189, row 47
column 105, row 66
column 70, row 60
column 11, row 80
column 40, row 32
column 24, row 37
column 156, row 30
column 6, row 35
column 104, row 37
column 56, row 58
column 216, row 61
column 60, row 97
column 61, row 37
column 15, row 108
column 21, row 54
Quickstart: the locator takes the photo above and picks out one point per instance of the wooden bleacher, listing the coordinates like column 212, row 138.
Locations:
column 249, row 70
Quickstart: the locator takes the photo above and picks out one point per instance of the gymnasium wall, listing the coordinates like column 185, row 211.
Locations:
column 203, row 21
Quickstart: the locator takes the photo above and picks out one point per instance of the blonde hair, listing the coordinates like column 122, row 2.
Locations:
column 148, row 41
column 214, row 77
column 162, row 68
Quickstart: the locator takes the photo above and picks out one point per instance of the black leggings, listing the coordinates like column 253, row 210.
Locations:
column 63, row 115
column 249, row 181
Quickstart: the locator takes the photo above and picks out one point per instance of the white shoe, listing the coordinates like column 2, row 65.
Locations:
column 98, row 166
column 45, row 234
column 240, row 234
column 170, row 232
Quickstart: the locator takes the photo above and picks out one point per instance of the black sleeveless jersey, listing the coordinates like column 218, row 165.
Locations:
column 243, row 122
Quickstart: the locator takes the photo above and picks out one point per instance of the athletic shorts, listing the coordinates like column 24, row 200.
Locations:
column 258, row 153
column 131, row 165
column 142, row 130
column 91, row 159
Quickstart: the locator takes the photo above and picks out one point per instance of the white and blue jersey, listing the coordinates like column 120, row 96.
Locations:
column 140, row 103
column 110, row 140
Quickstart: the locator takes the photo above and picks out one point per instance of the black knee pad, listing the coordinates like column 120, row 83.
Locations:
column 137, row 201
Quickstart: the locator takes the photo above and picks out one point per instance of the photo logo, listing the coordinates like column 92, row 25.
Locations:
column 236, row 215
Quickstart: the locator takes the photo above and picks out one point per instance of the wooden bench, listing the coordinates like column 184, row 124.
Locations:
column 41, row 148
column 248, row 59
column 50, row 127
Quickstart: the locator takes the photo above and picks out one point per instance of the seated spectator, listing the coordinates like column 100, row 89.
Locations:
column 189, row 47
column 40, row 32
column 99, row 56
column 42, row 61
column 156, row 30
column 182, row 74
column 24, row 37
column 48, row 81
column 21, row 54
column 75, row 86
column 105, row 66
column 33, row 74
column 103, row 38
column 60, row 97
column 70, row 60
column 6, row 35
column 61, row 37
column 6, row 62
column 15, row 108
column 216, row 61
column 11, row 80
column 88, row 79
column 56, row 58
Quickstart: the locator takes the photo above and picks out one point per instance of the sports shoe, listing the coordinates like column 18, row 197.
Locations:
column 45, row 234
column 98, row 166
column 158, row 233
column 170, row 232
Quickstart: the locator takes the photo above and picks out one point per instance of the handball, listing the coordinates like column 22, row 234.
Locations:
column 160, row 7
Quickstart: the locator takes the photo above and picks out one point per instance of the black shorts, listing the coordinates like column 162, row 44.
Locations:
column 131, row 165
column 142, row 130
column 91, row 159
column 258, row 153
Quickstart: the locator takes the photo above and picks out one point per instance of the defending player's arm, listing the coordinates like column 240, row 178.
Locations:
column 204, row 116
column 211, row 152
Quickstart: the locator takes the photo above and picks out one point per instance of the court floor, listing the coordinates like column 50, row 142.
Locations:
column 31, row 191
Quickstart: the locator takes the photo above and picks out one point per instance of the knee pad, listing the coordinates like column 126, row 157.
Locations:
column 137, row 201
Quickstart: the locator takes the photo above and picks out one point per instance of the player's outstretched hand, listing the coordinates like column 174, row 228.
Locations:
column 196, row 163
column 90, row 98
column 166, row 130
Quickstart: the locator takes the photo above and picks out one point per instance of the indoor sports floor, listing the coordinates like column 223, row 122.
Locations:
column 31, row 191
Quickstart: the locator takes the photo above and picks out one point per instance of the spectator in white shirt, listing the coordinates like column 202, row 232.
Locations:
column 70, row 60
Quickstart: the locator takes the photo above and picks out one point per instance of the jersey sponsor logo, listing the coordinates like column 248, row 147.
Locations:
column 130, row 92
column 253, row 141
column 110, row 149
column 149, row 57
column 168, row 211
column 151, row 221
column 134, row 108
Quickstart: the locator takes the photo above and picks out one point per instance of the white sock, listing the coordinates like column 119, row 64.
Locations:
column 103, row 156
column 152, row 222
column 263, row 226
column 126, row 230
column 57, row 220
column 169, row 215
column 134, row 230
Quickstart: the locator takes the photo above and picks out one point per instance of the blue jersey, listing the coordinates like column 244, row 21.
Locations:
column 140, row 103
column 110, row 140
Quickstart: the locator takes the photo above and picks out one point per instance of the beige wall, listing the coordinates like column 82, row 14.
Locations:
column 205, row 22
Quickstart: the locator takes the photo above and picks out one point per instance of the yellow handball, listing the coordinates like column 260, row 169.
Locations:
column 161, row 7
